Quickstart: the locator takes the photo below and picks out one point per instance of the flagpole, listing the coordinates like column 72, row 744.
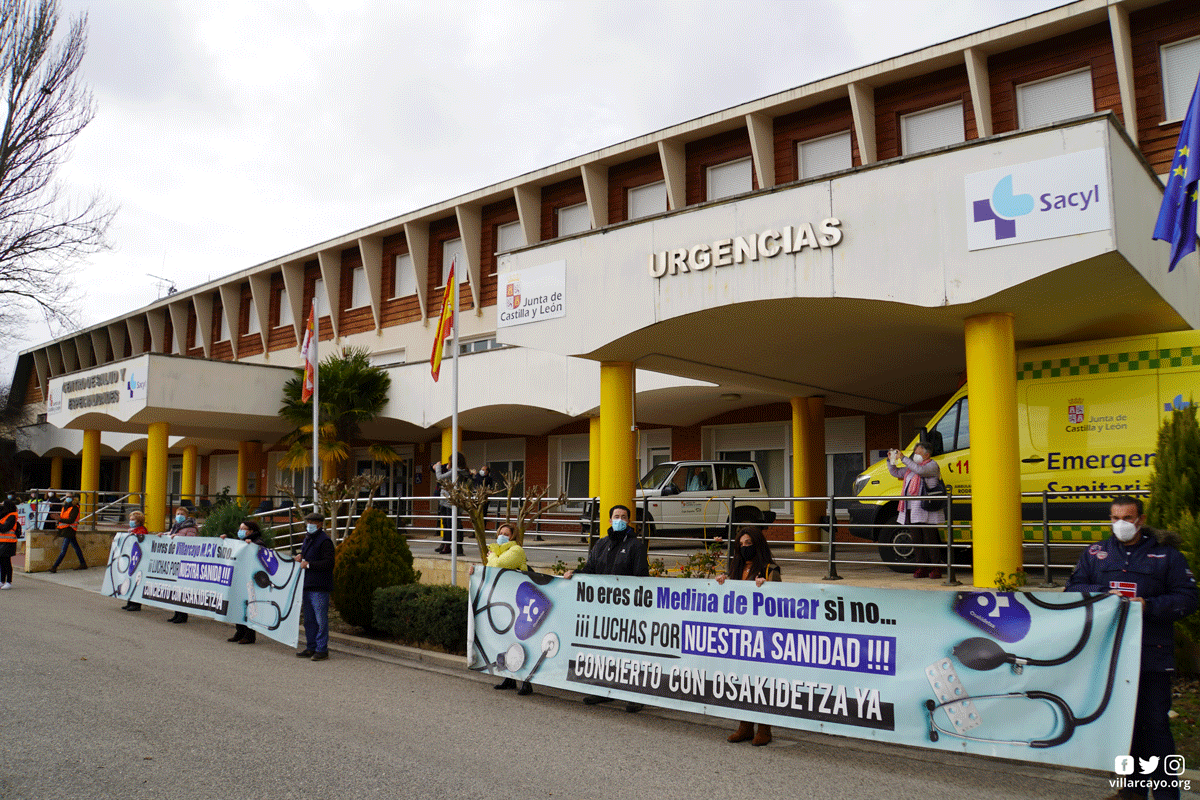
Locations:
column 316, row 396
column 454, row 538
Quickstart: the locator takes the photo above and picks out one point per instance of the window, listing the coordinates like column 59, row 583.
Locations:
column 322, row 298
column 285, row 309
column 575, row 481
column 822, row 156
column 472, row 346
column 406, row 280
column 952, row 431
column 573, row 219
column 252, row 324
column 1180, row 69
column 196, row 342
column 1053, row 99
column 646, row 200
column 730, row 178
column 359, row 295
column 222, row 326
column 932, row 128
column 509, row 236
column 771, row 463
column 452, row 252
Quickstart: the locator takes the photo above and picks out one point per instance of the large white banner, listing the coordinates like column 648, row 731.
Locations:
column 1040, row 677
column 532, row 295
column 225, row 579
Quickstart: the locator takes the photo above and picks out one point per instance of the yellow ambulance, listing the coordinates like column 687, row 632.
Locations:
column 1088, row 416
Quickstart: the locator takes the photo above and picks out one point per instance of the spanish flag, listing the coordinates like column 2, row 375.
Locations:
column 309, row 353
column 445, row 324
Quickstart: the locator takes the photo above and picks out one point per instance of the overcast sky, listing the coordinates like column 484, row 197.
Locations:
column 232, row 133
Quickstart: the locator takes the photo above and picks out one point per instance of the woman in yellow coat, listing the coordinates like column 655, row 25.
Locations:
column 507, row 554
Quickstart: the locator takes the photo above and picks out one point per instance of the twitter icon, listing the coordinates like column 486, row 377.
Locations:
column 1148, row 765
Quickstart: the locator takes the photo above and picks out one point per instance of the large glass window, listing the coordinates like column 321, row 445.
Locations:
column 1053, row 99
column 932, row 128
column 1180, row 70
column 771, row 463
column 824, row 155
column 951, row 432
column 575, row 481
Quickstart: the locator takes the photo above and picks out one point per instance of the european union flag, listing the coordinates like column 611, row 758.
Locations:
column 1177, row 216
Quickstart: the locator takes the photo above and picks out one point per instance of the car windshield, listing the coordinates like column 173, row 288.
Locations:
column 656, row 476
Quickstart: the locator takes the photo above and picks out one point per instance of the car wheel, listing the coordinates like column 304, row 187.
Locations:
column 896, row 549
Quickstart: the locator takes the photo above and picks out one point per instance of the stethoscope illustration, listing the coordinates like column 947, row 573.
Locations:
column 262, row 578
column 983, row 654
column 127, row 560
column 524, row 621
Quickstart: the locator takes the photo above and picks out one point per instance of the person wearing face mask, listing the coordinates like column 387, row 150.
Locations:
column 316, row 559
column 250, row 532
column 751, row 560
column 918, row 473
column 10, row 531
column 619, row 552
column 137, row 527
column 507, row 554
column 68, row 519
column 183, row 525
column 1145, row 565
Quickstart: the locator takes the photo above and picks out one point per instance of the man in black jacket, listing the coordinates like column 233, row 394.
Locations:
column 316, row 559
column 1143, row 564
column 618, row 553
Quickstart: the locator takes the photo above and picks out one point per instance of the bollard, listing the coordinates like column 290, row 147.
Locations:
column 832, row 575
column 1047, row 581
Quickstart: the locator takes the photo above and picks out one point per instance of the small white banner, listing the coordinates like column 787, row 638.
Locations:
column 1046, row 199
column 532, row 295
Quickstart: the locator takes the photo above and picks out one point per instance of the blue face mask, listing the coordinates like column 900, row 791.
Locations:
column 502, row 539
column 180, row 517
column 619, row 525
column 312, row 527
column 242, row 533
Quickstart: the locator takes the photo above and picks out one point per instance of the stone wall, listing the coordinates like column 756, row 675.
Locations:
column 42, row 547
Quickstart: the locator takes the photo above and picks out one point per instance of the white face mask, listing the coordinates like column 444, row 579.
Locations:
column 502, row 539
column 312, row 527
column 1124, row 530
column 619, row 525
column 918, row 458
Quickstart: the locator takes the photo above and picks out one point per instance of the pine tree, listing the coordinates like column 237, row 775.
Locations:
column 375, row 555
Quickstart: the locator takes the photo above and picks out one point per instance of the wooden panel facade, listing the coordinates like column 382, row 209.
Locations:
column 559, row 195
column 396, row 310
column 279, row 337
column 919, row 94
column 630, row 175
column 1150, row 29
column 352, row 320
column 704, row 153
column 811, row 123
column 493, row 216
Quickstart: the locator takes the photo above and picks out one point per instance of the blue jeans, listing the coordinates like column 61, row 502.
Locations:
column 316, row 621
column 69, row 541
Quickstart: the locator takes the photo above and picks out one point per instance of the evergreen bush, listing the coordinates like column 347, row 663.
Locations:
column 225, row 519
column 1175, row 500
column 375, row 555
column 417, row 614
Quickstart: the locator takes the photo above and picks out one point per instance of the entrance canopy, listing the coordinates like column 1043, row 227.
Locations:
column 856, row 287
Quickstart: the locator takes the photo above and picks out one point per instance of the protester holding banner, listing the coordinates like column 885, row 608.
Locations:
column 251, row 533
column 316, row 559
column 617, row 553
column 751, row 560
column 507, row 554
column 10, row 531
column 919, row 473
column 1144, row 564
column 68, row 519
column 183, row 525
column 137, row 527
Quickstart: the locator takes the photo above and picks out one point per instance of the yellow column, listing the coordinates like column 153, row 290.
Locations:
column 995, row 470
column 594, row 458
column 156, row 477
column 56, row 464
column 618, row 444
column 89, row 472
column 448, row 448
column 248, row 457
column 187, row 487
column 808, row 468
column 136, row 479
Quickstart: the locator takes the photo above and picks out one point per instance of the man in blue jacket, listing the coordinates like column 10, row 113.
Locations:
column 1143, row 564
column 316, row 559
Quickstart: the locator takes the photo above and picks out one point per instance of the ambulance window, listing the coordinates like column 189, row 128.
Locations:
column 942, row 435
column 964, row 426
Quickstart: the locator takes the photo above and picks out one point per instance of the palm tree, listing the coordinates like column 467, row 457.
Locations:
column 352, row 392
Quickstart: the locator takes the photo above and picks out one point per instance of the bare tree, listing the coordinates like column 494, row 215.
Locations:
column 43, row 233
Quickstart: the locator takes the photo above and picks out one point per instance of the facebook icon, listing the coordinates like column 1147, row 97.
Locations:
column 1123, row 765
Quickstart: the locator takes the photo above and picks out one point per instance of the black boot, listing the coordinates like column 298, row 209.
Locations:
column 507, row 683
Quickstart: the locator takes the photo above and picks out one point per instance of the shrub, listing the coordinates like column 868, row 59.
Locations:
column 375, row 555
column 416, row 614
column 225, row 519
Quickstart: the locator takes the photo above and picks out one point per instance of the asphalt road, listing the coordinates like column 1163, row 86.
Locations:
column 101, row 703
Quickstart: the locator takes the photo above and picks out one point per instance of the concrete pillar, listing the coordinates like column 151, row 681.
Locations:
column 56, row 468
column 618, row 440
column 156, row 476
column 995, row 459
column 136, row 477
column 808, row 468
column 89, row 473
column 187, row 488
column 249, row 454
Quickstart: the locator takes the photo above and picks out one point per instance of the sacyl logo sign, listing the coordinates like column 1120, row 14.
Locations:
column 1060, row 196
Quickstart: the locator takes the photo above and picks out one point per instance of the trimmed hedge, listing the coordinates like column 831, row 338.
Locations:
column 418, row 614
column 373, row 556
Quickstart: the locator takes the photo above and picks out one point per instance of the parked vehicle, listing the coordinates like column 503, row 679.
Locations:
column 1088, row 416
